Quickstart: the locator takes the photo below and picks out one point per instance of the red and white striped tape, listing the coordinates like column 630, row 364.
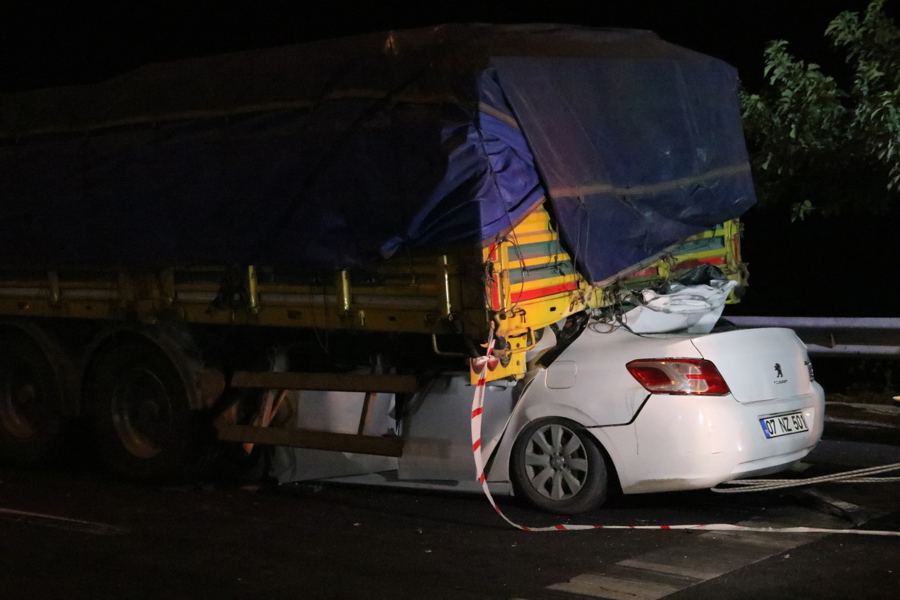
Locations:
column 477, row 408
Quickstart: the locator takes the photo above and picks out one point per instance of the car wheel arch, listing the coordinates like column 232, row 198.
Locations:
column 529, row 409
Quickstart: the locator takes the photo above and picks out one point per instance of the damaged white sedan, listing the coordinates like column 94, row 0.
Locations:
column 665, row 412
column 601, row 406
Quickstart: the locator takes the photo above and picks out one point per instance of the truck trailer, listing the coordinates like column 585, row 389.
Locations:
column 189, row 250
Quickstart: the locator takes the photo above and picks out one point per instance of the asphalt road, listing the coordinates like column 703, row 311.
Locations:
column 75, row 534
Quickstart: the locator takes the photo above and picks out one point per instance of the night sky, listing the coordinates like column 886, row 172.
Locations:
column 44, row 44
column 793, row 267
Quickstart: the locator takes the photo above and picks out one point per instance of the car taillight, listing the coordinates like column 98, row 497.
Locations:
column 678, row 376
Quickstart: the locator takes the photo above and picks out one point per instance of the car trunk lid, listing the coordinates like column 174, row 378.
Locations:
column 759, row 364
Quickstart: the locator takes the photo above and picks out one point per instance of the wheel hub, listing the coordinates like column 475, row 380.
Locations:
column 20, row 401
column 556, row 465
column 141, row 412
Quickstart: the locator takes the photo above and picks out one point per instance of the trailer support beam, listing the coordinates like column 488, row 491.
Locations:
column 335, row 382
column 304, row 438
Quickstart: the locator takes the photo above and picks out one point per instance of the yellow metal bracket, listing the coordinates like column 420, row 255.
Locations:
column 252, row 290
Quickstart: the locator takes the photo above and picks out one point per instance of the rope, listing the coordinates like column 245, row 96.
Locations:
column 761, row 485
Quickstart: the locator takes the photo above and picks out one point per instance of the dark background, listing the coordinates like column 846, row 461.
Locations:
column 821, row 267
column 45, row 44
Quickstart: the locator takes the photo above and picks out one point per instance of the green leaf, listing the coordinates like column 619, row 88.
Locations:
column 800, row 210
column 812, row 136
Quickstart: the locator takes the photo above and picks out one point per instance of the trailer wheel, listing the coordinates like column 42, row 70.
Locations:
column 557, row 466
column 144, row 428
column 31, row 423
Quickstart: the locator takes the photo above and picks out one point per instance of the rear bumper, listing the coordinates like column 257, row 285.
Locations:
column 696, row 442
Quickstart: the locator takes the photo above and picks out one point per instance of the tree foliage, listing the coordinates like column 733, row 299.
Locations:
column 822, row 143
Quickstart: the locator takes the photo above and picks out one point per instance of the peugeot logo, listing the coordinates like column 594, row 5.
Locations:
column 778, row 373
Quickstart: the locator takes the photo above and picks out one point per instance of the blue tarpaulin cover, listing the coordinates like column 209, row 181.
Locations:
column 339, row 153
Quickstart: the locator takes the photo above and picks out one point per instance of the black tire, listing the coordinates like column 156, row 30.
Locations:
column 32, row 427
column 143, row 426
column 557, row 466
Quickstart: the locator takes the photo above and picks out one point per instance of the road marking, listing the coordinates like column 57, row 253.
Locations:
column 659, row 573
column 61, row 522
column 614, row 588
column 681, row 570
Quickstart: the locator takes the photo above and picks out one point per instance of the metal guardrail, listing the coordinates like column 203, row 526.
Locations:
column 835, row 336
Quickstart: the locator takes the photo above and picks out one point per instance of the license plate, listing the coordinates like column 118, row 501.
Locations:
column 786, row 424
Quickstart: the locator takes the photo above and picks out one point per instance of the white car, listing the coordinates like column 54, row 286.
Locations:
column 654, row 412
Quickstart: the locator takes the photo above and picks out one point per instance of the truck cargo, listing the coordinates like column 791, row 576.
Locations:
column 212, row 239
